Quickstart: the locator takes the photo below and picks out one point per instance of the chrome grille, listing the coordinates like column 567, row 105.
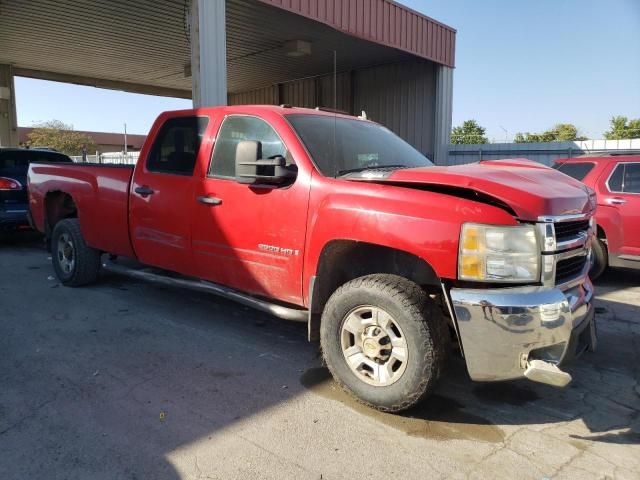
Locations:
column 570, row 268
column 565, row 254
column 570, row 230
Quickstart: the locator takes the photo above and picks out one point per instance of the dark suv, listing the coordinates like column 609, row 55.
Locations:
column 14, row 198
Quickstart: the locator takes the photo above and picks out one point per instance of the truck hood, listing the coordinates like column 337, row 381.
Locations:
column 530, row 189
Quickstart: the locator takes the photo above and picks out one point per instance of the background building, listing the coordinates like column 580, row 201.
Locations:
column 105, row 142
column 352, row 55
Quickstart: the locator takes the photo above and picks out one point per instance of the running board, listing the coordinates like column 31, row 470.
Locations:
column 286, row 313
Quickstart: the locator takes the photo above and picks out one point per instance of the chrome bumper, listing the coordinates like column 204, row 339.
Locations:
column 502, row 330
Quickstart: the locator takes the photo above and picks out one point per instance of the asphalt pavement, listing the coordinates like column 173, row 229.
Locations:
column 128, row 380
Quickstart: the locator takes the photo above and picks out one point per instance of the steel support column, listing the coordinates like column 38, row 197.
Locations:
column 443, row 114
column 8, row 118
column 208, row 53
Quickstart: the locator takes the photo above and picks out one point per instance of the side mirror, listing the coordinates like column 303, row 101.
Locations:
column 251, row 168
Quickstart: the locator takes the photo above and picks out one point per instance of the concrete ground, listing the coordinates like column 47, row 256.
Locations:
column 126, row 380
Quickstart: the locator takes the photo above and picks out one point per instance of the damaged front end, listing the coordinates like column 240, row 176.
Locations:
column 531, row 331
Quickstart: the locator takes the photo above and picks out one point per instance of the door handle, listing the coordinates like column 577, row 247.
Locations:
column 213, row 201
column 144, row 191
column 616, row 201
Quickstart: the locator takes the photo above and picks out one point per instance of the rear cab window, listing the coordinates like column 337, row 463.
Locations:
column 577, row 170
column 176, row 146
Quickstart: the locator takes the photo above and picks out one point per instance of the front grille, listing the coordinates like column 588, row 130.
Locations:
column 570, row 230
column 569, row 268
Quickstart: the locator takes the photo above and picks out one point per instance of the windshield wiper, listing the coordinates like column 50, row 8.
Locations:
column 362, row 169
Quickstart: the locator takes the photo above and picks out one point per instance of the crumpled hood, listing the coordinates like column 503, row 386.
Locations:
column 531, row 189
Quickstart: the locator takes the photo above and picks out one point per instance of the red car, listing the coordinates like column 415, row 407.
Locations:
column 336, row 221
column 616, row 181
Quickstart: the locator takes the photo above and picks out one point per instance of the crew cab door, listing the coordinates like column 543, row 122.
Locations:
column 162, row 192
column 623, row 194
column 250, row 237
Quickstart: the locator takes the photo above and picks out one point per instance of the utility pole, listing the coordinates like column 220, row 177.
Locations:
column 506, row 134
column 125, row 141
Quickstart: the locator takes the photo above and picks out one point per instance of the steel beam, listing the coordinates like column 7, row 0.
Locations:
column 443, row 114
column 103, row 83
column 208, row 52
column 8, row 118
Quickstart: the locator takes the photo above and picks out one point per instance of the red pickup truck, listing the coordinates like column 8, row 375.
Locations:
column 335, row 221
column 616, row 181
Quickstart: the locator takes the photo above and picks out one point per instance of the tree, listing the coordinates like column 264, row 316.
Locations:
column 468, row 133
column 623, row 128
column 61, row 137
column 561, row 132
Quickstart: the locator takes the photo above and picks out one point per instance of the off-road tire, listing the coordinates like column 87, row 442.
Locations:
column 87, row 259
column 424, row 328
column 600, row 260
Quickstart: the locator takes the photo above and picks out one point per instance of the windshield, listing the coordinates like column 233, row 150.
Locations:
column 342, row 145
column 575, row 170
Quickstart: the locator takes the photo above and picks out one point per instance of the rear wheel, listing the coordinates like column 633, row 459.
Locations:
column 599, row 258
column 384, row 341
column 74, row 262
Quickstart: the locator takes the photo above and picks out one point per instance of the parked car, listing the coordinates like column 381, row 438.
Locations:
column 616, row 181
column 335, row 221
column 14, row 165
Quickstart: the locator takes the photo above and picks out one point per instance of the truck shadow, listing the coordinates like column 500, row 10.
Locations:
column 601, row 398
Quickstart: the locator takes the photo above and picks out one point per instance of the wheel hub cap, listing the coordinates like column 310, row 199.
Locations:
column 374, row 346
column 65, row 251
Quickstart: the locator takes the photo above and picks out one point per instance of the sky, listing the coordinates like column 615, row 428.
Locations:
column 521, row 66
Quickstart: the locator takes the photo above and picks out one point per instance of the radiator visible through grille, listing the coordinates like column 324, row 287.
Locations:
column 570, row 230
column 569, row 268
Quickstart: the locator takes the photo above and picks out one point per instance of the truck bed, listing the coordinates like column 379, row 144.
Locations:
column 100, row 192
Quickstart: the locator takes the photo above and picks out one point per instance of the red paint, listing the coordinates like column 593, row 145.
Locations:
column 620, row 223
column 233, row 243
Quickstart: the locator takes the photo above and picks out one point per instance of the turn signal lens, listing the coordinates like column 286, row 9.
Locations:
column 9, row 184
column 471, row 266
column 471, row 241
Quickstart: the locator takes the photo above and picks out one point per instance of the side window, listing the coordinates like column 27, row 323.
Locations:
column 632, row 178
column 236, row 129
column 176, row 147
column 615, row 180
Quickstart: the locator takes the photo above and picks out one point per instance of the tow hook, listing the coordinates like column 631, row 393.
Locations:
column 545, row 372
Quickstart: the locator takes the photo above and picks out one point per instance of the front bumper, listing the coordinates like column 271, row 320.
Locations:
column 501, row 330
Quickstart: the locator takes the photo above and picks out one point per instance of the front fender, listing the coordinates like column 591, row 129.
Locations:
column 422, row 223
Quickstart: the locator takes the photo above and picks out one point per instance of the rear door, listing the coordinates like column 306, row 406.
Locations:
column 162, row 194
column 623, row 194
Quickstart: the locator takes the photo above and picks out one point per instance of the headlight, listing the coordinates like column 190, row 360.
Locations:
column 498, row 254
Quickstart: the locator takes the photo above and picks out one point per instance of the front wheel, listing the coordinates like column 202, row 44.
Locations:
column 74, row 262
column 599, row 258
column 384, row 341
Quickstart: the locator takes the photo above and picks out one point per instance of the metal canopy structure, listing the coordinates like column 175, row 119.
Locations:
column 147, row 43
column 147, row 46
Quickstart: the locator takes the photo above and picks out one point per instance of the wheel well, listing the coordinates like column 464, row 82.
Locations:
column 344, row 260
column 58, row 206
column 600, row 233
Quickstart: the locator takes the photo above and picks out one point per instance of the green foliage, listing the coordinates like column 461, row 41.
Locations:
column 623, row 128
column 61, row 137
column 562, row 132
column 468, row 133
